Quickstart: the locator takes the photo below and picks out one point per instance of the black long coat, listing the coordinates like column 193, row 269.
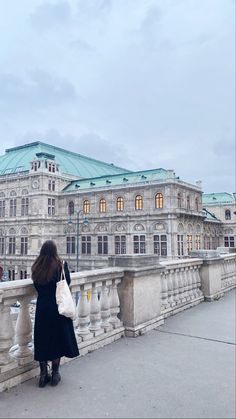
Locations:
column 54, row 334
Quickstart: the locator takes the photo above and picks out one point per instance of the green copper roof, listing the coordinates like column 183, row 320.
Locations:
column 126, row 178
column 18, row 159
column 217, row 198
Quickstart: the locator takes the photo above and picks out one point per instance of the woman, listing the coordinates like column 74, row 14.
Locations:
column 54, row 335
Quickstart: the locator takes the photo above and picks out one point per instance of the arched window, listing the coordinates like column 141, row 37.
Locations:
column 138, row 202
column 179, row 200
column 102, row 205
column 120, row 204
column 196, row 204
column 227, row 214
column 188, row 202
column 159, row 200
column 86, row 206
column 71, row 208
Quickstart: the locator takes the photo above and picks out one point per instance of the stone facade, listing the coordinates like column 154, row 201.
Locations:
column 151, row 212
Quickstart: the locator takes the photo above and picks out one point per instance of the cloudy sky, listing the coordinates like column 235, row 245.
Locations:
column 140, row 83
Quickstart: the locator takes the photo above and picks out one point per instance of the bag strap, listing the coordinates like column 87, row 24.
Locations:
column 62, row 271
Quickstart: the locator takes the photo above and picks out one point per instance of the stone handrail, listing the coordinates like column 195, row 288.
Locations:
column 180, row 285
column 96, row 317
column 228, row 271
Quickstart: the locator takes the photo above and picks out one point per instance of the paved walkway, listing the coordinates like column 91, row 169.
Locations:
column 185, row 369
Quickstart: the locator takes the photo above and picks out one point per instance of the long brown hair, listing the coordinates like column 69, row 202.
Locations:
column 46, row 263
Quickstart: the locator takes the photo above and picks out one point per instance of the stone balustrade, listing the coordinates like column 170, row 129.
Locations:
column 228, row 272
column 130, row 297
column 180, row 285
column 96, row 323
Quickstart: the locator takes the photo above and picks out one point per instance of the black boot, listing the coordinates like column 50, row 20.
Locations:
column 44, row 376
column 55, row 372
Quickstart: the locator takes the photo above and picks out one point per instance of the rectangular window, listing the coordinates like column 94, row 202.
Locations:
column 160, row 245
column 24, row 245
column 70, row 245
column 11, row 274
column 197, row 242
column 139, row 244
column 51, row 206
column 2, row 208
column 180, row 244
column 24, row 206
column 13, row 207
column 229, row 241
column 189, row 242
column 86, row 245
column 51, row 185
column 2, row 245
column 12, row 246
column 120, row 245
column 102, row 245
column 23, row 274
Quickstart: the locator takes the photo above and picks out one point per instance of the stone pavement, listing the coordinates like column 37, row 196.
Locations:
column 185, row 369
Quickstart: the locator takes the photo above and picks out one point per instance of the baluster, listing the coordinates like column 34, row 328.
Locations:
column 83, row 314
column 95, row 311
column 186, row 285
column 170, row 290
column 105, row 306
column 175, row 286
column 6, row 332
column 194, row 276
column 114, row 304
column 23, row 330
column 185, row 294
column 190, row 282
column 181, row 285
column 199, row 282
column 164, row 292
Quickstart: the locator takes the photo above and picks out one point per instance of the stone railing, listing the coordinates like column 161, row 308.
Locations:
column 228, row 272
column 130, row 297
column 96, row 322
column 180, row 285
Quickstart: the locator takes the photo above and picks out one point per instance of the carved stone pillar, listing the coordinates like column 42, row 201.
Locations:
column 23, row 330
column 95, row 311
column 105, row 306
column 83, row 313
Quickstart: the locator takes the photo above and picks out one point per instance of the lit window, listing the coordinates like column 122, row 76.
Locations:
column 227, row 214
column 159, row 200
column 138, row 202
column 197, row 242
column 120, row 204
column 102, row 205
column 86, row 206
column 189, row 243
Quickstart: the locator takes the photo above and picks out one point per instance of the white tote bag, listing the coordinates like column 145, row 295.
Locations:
column 66, row 306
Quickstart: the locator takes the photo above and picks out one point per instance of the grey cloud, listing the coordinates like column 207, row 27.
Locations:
column 88, row 144
column 94, row 7
column 37, row 91
column 49, row 14
column 82, row 46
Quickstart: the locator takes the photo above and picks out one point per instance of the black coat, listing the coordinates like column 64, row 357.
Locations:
column 54, row 334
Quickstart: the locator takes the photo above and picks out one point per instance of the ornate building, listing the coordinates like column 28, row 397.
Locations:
column 223, row 206
column 94, row 209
